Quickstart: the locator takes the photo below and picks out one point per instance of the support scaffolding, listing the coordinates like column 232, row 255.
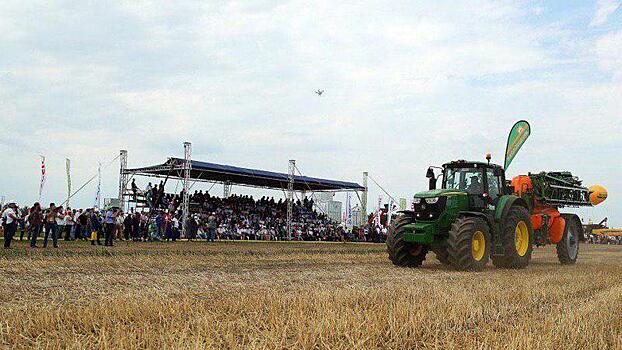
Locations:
column 186, row 181
column 226, row 189
column 122, row 178
column 364, row 200
column 290, row 197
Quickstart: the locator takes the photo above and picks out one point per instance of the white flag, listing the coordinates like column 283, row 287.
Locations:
column 349, row 211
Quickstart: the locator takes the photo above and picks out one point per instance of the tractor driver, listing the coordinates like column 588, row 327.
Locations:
column 475, row 186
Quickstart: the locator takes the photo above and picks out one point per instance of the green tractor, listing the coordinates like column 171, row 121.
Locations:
column 472, row 218
column 477, row 216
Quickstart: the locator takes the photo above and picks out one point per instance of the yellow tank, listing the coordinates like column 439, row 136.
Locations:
column 598, row 194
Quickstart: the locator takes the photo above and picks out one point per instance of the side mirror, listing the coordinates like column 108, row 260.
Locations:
column 430, row 173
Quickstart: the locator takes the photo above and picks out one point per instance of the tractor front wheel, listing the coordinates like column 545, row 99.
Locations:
column 568, row 247
column 442, row 254
column 402, row 253
column 469, row 244
column 516, row 239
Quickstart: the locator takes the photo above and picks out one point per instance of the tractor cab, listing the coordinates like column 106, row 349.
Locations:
column 483, row 182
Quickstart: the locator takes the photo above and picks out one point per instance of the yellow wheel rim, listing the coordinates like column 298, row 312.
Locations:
column 478, row 245
column 521, row 238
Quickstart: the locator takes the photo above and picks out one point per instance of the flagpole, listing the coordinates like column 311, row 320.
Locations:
column 68, row 165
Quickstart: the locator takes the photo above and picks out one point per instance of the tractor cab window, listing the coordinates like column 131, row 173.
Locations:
column 493, row 184
column 464, row 179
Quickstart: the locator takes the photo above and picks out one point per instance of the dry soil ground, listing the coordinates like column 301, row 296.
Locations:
column 300, row 295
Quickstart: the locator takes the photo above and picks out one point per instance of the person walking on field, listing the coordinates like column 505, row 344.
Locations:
column 109, row 222
column 9, row 220
column 50, row 226
column 35, row 220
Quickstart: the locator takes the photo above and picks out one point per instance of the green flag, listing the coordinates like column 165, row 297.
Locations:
column 518, row 135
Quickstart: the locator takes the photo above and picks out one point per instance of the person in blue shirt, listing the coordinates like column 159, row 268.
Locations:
column 109, row 222
column 159, row 220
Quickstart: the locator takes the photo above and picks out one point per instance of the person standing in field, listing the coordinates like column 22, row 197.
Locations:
column 9, row 220
column 127, row 226
column 35, row 220
column 136, row 223
column 118, row 227
column 83, row 219
column 68, row 221
column 60, row 222
column 50, row 226
column 159, row 221
column 109, row 227
column 25, row 223
column 77, row 227
column 211, row 227
column 96, row 228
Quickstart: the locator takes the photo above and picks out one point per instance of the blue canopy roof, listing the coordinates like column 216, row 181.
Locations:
column 203, row 171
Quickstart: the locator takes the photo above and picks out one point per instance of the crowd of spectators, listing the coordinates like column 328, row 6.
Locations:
column 601, row 239
column 238, row 217
column 57, row 222
column 243, row 217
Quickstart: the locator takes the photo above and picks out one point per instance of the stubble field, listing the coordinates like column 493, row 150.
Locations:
column 300, row 295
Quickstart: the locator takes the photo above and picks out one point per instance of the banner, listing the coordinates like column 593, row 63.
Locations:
column 402, row 204
column 378, row 212
column 518, row 135
column 42, row 182
column 390, row 211
column 68, row 165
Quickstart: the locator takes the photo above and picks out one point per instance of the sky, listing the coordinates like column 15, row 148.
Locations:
column 407, row 84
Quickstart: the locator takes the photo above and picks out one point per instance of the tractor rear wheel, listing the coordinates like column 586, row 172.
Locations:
column 469, row 244
column 568, row 247
column 402, row 253
column 516, row 239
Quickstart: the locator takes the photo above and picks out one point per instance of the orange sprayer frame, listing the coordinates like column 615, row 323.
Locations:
column 541, row 214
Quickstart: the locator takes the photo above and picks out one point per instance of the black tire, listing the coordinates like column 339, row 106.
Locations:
column 402, row 253
column 568, row 247
column 442, row 254
column 463, row 236
column 514, row 257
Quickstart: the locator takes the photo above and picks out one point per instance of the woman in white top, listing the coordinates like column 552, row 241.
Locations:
column 60, row 221
column 68, row 221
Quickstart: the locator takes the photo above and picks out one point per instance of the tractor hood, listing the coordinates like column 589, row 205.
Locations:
column 437, row 193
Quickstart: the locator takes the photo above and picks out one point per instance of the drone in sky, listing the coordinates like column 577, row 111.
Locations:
column 319, row 92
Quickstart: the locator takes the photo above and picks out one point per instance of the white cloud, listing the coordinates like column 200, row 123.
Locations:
column 604, row 9
column 609, row 52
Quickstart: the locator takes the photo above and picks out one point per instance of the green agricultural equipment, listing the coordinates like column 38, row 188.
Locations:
column 477, row 216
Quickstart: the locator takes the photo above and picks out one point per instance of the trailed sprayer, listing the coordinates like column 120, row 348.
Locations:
column 478, row 215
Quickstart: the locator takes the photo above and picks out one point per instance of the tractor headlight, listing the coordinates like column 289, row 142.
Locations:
column 417, row 200
column 431, row 200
